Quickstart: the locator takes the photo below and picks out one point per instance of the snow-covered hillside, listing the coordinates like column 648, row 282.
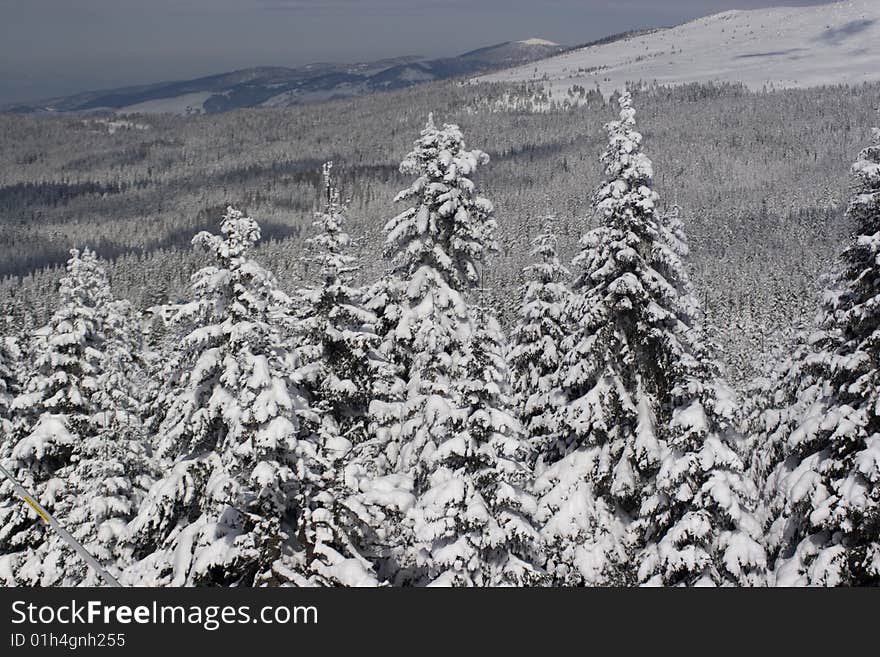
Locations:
column 780, row 47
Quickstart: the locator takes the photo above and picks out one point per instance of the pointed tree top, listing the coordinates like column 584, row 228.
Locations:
column 87, row 255
column 627, row 111
column 548, row 226
column 81, row 266
column 430, row 124
column 331, row 193
column 239, row 229
column 239, row 234
column 544, row 244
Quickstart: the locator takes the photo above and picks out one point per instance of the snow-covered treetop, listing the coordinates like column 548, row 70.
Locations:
column 545, row 266
column 634, row 258
column 69, row 350
column 449, row 227
column 630, row 172
column 232, row 327
column 331, row 240
column 240, row 233
column 236, row 286
column 336, row 345
column 867, row 174
column 852, row 307
column 86, row 282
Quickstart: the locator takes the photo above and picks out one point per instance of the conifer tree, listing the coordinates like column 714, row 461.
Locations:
column 475, row 521
column 54, row 408
column 668, row 501
column 437, row 245
column 774, row 407
column 828, row 529
column 536, row 354
column 380, row 453
column 455, row 433
column 345, row 376
column 120, row 392
column 246, row 499
column 339, row 359
column 10, row 371
column 86, row 477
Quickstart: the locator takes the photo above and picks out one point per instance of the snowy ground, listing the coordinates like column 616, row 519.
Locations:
column 185, row 104
column 780, row 47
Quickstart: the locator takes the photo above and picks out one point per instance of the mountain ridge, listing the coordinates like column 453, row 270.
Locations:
column 776, row 47
column 273, row 86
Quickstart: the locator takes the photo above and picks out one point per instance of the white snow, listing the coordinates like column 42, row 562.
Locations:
column 186, row 104
column 782, row 47
column 113, row 126
column 413, row 74
column 534, row 41
column 50, row 430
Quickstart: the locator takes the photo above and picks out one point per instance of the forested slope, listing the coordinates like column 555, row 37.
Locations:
column 759, row 179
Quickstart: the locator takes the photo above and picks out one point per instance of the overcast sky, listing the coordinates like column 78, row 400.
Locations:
column 57, row 47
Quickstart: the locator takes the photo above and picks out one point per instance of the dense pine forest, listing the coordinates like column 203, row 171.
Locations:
column 758, row 178
column 586, row 358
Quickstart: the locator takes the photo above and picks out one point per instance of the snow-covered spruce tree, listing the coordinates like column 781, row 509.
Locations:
column 380, row 495
column 774, row 407
column 121, row 392
column 103, row 488
column 54, row 410
column 379, row 454
column 338, row 352
column 649, row 489
column 536, row 351
column 437, row 246
column 828, row 532
column 343, row 374
column 80, row 473
column 10, row 371
column 113, row 468
column 475, row 519
column 246, row 499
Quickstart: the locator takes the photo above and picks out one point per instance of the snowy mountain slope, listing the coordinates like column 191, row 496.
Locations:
column 515, row 52
column 273, row 86
column 782, row 47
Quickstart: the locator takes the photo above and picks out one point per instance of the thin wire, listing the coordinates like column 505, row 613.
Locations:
column 86, row 556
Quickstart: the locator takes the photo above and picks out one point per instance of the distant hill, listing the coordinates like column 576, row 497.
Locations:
column 783, row 47
column 279, row 86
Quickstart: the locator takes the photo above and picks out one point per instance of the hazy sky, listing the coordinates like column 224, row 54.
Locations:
column 56, row 47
